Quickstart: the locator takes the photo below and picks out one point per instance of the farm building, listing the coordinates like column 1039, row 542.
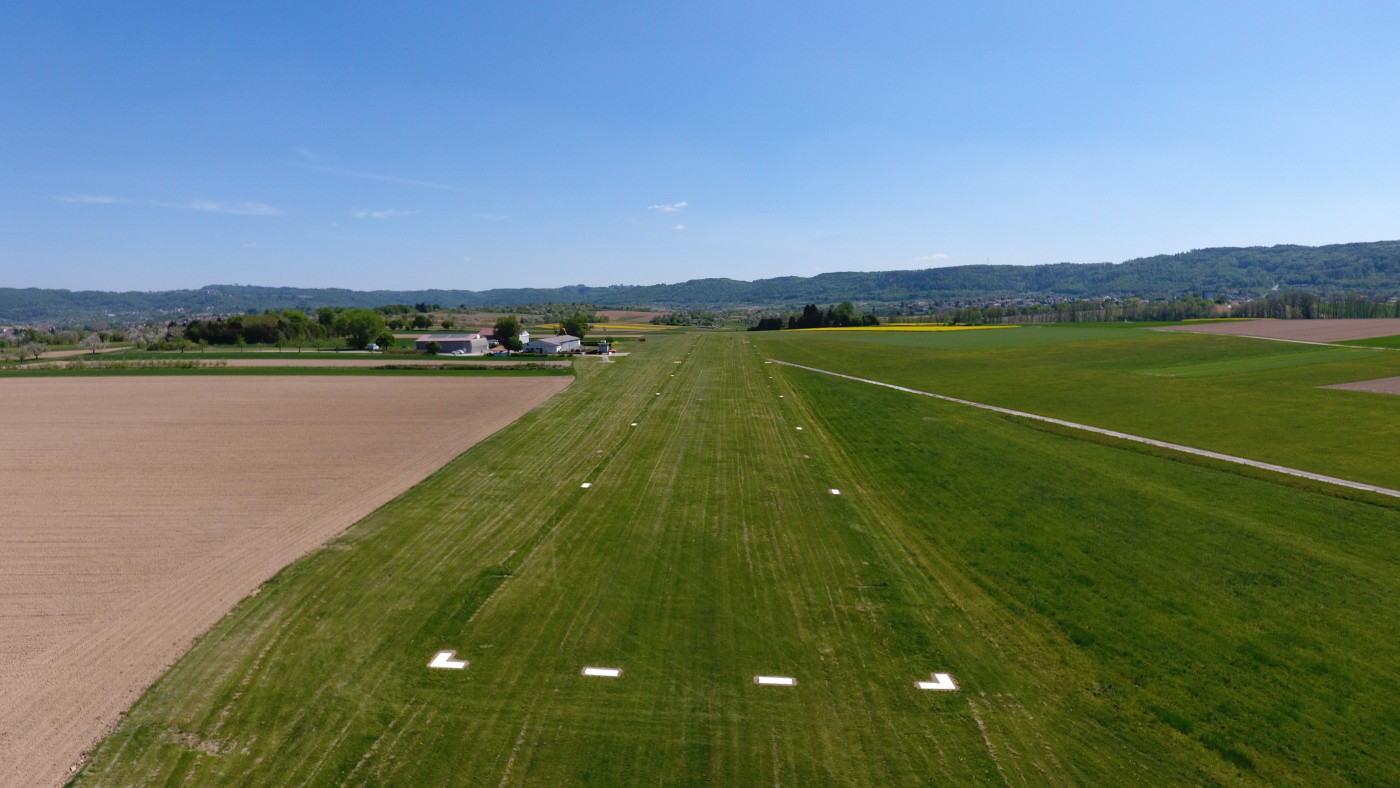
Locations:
column 471, row 343
column 559, row 344
column 490, row 334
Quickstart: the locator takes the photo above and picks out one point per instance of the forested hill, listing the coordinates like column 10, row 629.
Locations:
column 1370, row 268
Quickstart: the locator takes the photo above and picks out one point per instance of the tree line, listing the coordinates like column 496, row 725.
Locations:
column 357, row 327
column 842, row 315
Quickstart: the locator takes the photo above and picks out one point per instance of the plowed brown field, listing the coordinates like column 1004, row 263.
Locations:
column 1300, row 330
column 135, row 512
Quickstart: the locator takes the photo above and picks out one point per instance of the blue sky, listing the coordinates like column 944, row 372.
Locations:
column 158, row 145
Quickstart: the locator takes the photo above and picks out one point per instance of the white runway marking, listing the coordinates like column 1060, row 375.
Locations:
column 1121, row 435
column 444, row 659
column 799, row 428
column 941, row 681
column 586, row 485
column 835, row 491
column 634, row 424
column 611, row 673
column 781, row 681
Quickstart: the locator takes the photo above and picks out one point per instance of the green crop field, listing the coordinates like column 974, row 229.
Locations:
column 1111, row 617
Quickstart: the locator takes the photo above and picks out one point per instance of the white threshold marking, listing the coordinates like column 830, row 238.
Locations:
column 586, row 485
column 941, row 681
column 1214, row 455
column 444, row 659
column 835, row 491
column 781, row 681
column 611, row 673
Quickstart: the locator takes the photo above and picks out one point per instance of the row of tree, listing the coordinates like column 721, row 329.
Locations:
column 358, row 327
column 1292, row 305
column 842, row 315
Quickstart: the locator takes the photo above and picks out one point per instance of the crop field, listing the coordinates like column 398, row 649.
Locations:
column 696, row 518
column 136, row 511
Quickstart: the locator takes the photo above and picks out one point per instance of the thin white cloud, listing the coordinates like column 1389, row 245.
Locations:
column 370, row 176
column 201, row 206
column 236, row 209
column 387, row 213
column 680, row 227
column 931, row 258
column 669, row 208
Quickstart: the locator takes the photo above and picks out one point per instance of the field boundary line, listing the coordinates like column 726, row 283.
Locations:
column 1317, row 477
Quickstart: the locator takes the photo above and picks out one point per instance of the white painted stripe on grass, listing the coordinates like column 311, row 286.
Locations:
column 835, row 491
column 781, row 681
column 611, row 673
column 799, row 428
column 586, row 485
column 1317, row 477
column 941, row 681
column 444, row 659
column 634, row 424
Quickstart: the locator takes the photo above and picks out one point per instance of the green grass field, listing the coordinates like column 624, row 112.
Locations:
column 1112, row 617
column 1247, row 397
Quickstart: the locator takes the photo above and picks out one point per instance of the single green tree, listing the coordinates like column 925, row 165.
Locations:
column 507, row 332
column 575, row 325
column 433, row 348
column 359, row 326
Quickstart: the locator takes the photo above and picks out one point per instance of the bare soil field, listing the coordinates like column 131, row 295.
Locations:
column 1378, row 386
column 135, row 512
column 1300, row 330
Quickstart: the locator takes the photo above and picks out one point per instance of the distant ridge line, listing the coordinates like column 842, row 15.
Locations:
column 1370, row 268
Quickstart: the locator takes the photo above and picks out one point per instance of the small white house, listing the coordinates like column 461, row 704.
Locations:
column 557, row 344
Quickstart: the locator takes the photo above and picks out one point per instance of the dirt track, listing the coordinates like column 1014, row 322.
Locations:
column 1379, row 386
column 1299, row 330
column 135, row 512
